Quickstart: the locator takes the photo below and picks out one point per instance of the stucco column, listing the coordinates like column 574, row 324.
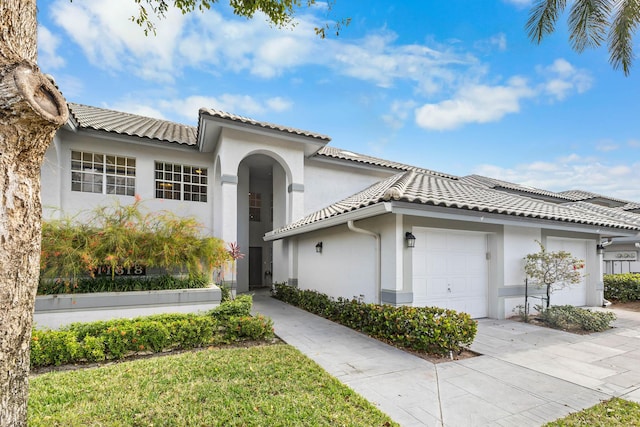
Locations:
column 229, row 205
column 296, row 201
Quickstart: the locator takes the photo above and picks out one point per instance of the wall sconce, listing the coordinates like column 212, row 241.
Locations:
column 411, row 239
column 319, row 247
column 600, row 247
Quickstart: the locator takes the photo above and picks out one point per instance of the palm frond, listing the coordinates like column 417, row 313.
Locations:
column 543, row 17
column 588, row 23
column 624, row 25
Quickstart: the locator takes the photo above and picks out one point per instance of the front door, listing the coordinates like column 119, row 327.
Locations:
column 255, row 267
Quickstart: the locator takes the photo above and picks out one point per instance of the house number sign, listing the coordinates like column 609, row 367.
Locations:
column 135, row 270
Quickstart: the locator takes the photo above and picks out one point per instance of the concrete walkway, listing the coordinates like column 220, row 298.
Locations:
column 527, row 375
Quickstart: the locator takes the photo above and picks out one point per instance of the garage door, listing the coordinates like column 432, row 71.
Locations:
column 572, row 294
column 450, row 270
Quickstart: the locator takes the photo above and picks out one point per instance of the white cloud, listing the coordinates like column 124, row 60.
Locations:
column 497, row 41
column 562, row 79
column 519, row 3
column 110, row 40
column 233, row 103
column 606, row 146
column 212, row 41
column 481, row 103
column 398, row 113
column 572, row 173
column 48, row 58
column 475, row 104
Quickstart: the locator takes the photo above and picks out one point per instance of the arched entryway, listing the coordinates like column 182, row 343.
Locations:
column 262, row 206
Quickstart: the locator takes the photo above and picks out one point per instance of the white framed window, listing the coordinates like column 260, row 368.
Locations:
column 103, row 173
column 181, row 182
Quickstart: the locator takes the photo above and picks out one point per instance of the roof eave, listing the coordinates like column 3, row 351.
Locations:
column 358, row 214
column 458, row 214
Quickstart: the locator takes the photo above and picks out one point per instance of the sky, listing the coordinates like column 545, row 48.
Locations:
column 454, row 86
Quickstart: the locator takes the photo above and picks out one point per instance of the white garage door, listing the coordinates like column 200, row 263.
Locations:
column 572, row 294
column 450, row 270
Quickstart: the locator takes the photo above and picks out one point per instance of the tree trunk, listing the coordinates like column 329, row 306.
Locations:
column 31, row 109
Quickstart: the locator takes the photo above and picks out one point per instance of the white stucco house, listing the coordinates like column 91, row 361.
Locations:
column 328, row 219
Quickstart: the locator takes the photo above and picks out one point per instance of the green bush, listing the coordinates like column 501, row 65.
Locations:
column 54, row 348
column 622, row 287
column 568, row 317
column 431, row 329
column 119, row 338
column 193, row 332
column 239, row 307
column 249, row 328
column 120, row 284
column 93, row 349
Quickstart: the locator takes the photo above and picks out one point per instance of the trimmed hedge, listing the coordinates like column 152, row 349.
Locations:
column 119, row 338
column 431, row 329
column 120, row 284
column 622, row 287
column 572, row 318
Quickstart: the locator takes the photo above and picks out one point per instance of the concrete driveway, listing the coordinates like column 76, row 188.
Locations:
column 527, row 375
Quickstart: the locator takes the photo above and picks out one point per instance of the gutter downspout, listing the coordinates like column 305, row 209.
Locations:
column 376, row 236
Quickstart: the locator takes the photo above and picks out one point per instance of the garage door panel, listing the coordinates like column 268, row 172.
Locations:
column 450, row 271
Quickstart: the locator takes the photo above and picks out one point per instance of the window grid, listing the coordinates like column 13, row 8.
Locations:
column 103, row 174
column 180, row 182
column 255, row 203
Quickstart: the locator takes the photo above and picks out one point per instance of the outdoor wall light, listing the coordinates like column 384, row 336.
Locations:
column 600, row 247
column 319, row 247
column 411, row 239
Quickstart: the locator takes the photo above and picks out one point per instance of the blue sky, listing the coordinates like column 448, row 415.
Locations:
column 454, row 86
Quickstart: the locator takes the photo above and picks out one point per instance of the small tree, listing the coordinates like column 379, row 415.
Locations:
column 553, row 270
column 235, row 255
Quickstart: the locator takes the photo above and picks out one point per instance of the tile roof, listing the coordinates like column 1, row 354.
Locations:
column 499, row 184
column 265, row 125
column 615, row 213
column 337, row 153
column 430, row 190
column 87, row 117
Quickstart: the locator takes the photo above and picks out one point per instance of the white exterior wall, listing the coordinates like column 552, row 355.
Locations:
column 345, row 268
column 327, row 183
column 518, row 242
column 57, row 194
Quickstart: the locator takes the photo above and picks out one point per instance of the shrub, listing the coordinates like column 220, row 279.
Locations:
column 193, row 332
column 118, row 338
column 249, row 328
column 239, row 307
column 93, row 349
column 568, row 317
column 120, row 284
column 431, row 329
column 54, row 348
column 622, row 287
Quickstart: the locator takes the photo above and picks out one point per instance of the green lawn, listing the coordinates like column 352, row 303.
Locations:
column 258, row 386
column 611, row 413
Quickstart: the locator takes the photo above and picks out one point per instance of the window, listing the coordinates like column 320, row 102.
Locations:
column 102, row 173
column 180, row 182
column 255, row 203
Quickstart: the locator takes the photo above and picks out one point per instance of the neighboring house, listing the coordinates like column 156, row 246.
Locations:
column 328, row 219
